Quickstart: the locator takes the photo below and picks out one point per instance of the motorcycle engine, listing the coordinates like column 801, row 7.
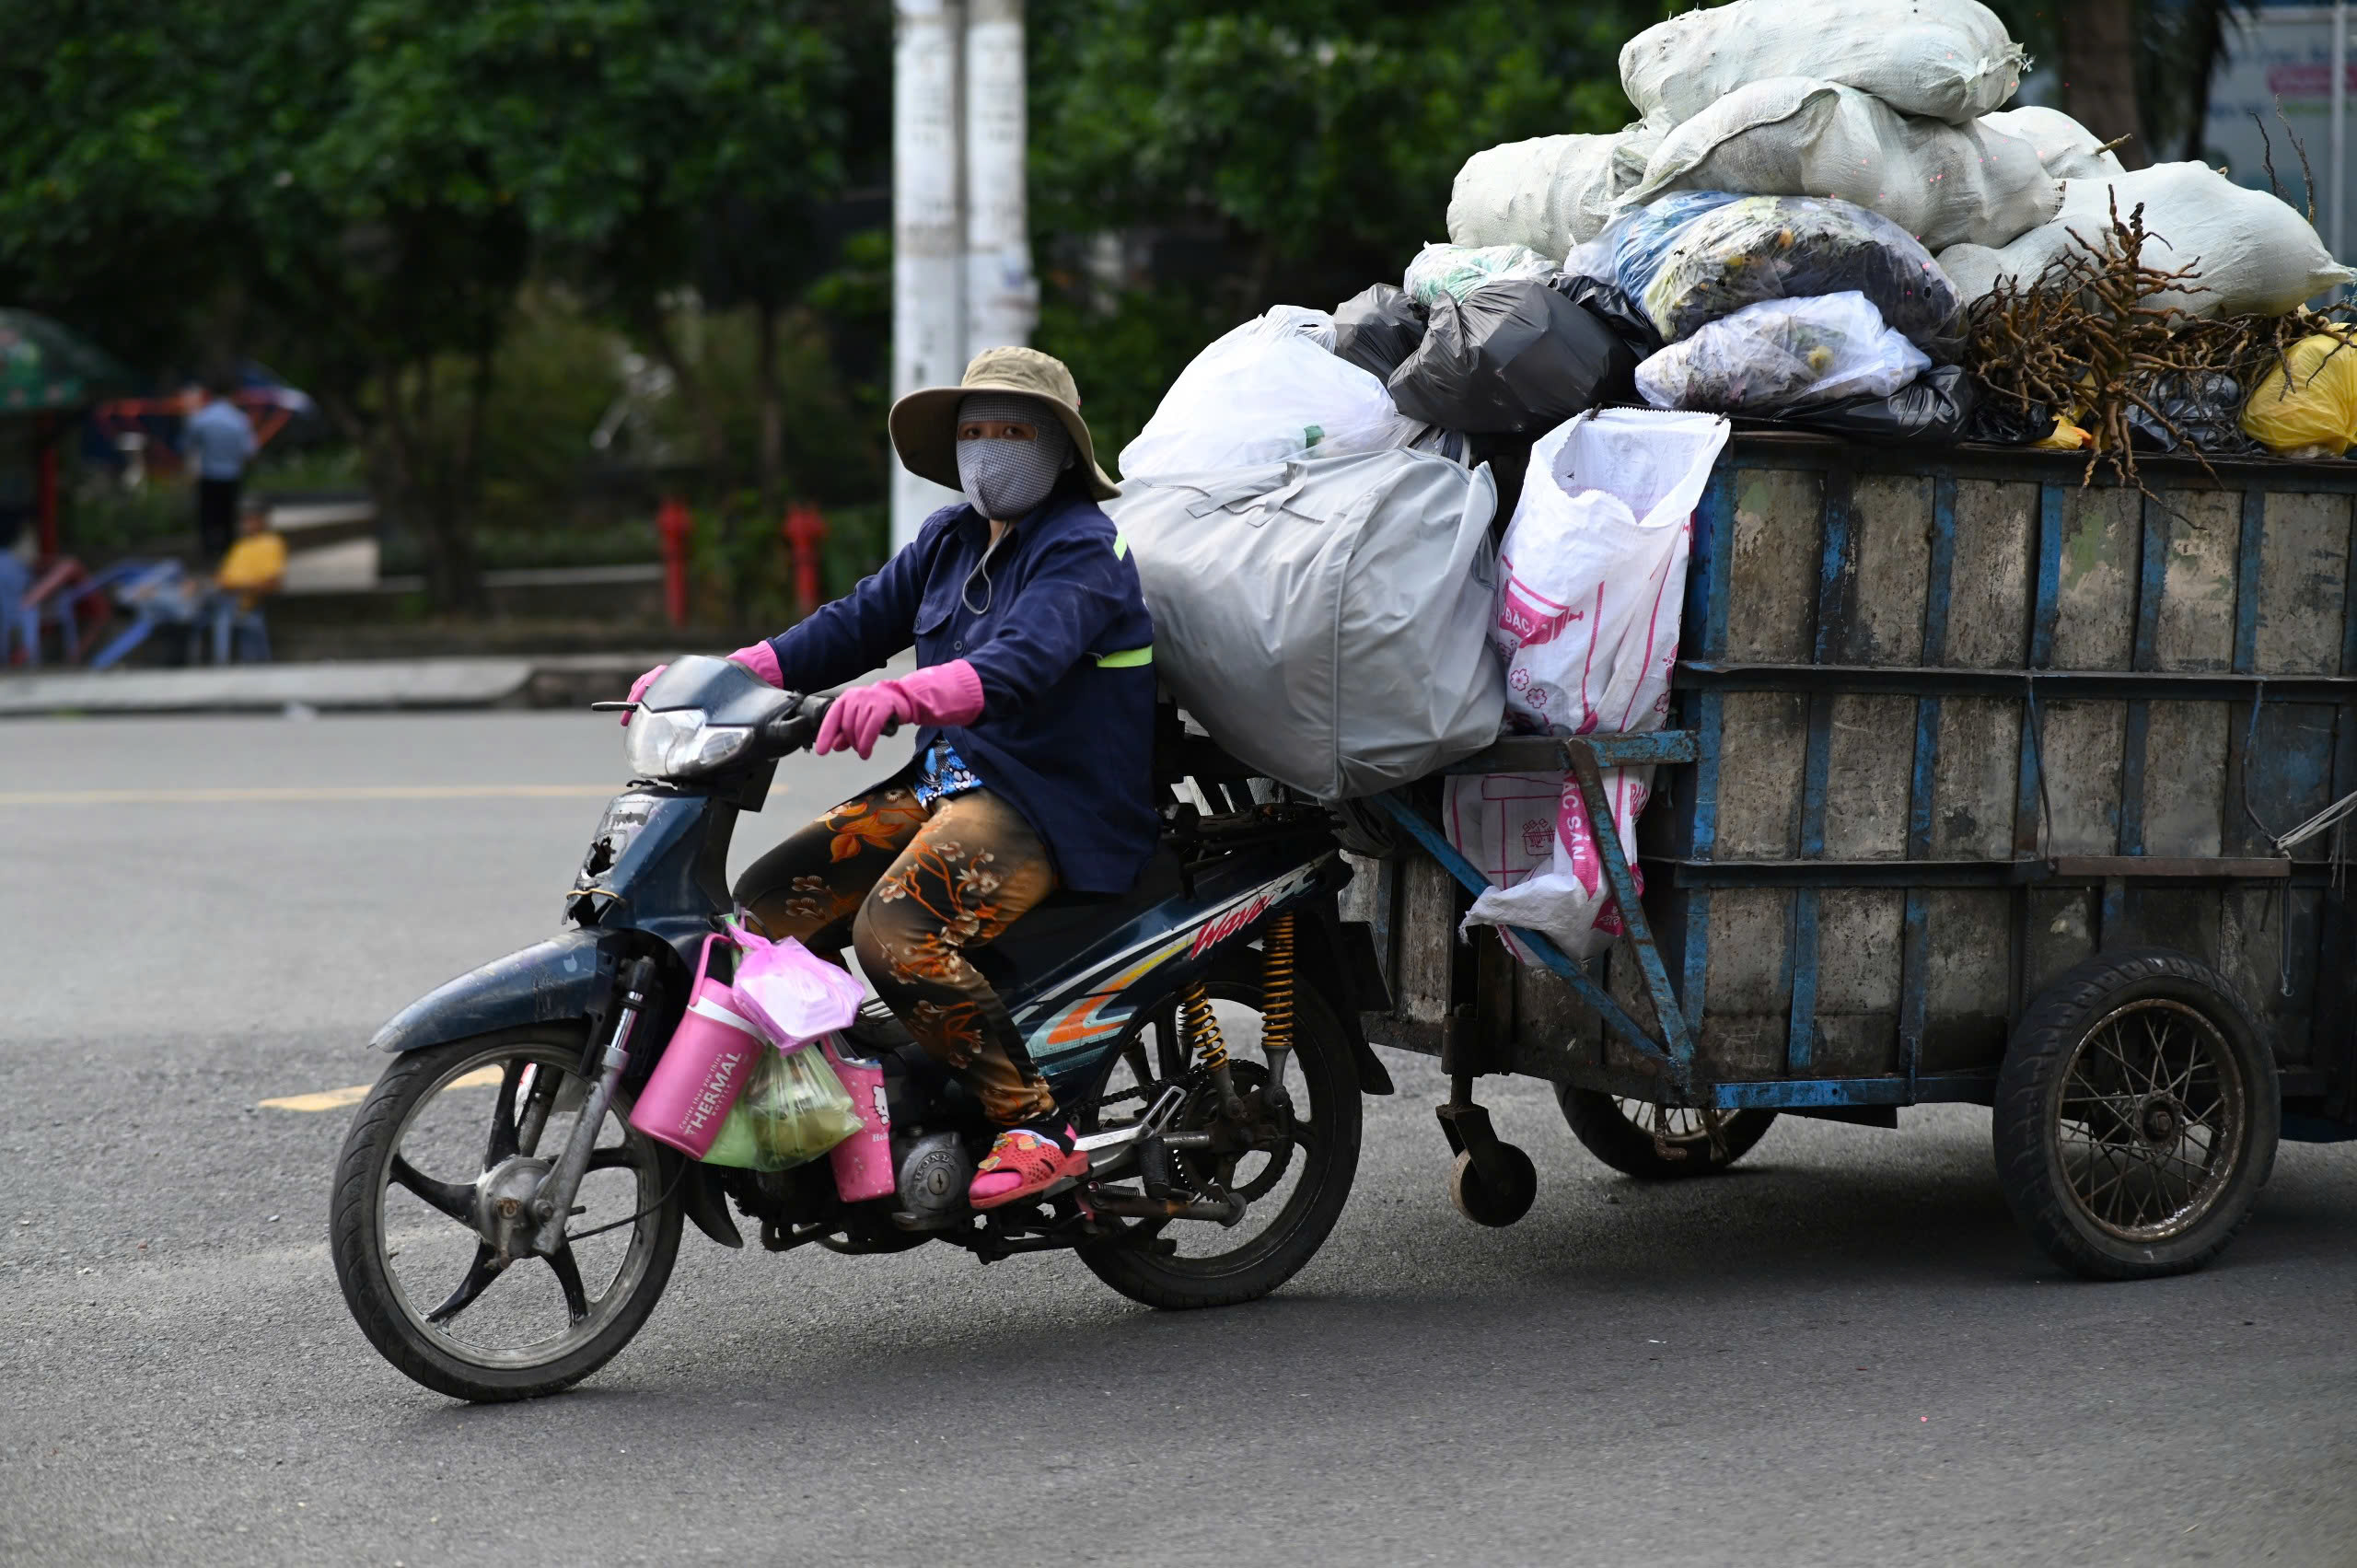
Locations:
column 934, row 1171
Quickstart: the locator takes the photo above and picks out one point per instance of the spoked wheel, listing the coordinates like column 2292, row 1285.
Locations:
column 1657, row 1143
column 431, row 1218
column 2137, row 1116
column 1295, row 1183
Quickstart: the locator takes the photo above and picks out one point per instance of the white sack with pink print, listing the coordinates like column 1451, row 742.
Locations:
column 1591, row 578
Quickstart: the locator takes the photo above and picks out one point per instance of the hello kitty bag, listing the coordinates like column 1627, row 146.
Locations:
column 1591, row 577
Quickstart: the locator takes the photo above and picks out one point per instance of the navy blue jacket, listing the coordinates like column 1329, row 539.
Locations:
column 1062, row 646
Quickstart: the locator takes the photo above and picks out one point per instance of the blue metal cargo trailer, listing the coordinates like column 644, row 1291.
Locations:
column 1980, row 785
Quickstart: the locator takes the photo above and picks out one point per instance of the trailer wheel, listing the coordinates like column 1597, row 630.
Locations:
column 2137, row 1116
column 1627, row 1134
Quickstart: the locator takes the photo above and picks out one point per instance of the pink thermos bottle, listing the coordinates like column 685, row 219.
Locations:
column 704, row 1068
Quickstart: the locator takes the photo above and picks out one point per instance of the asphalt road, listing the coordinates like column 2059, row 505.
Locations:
column 1841, row 1353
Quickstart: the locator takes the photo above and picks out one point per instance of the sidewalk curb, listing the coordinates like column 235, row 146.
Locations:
column 336, row 686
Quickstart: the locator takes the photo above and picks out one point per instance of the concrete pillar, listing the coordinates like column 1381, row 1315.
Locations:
column 1002, row 297
column 928, row 226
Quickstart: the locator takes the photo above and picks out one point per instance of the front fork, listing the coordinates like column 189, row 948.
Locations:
column 553, row 1205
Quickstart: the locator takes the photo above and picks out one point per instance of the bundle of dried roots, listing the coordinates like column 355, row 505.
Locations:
column 2089, row 338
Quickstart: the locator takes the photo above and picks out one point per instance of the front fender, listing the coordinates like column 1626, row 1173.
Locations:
column 564, row 977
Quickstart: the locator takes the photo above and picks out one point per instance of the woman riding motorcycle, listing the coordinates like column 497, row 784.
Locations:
column 1034, row 695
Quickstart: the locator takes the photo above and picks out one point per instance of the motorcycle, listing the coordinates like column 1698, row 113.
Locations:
column 1201, row 1031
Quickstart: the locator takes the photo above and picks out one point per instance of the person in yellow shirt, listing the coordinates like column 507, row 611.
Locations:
column 254, row 566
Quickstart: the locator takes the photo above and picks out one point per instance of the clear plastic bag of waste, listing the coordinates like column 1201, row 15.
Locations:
column 1782, row 355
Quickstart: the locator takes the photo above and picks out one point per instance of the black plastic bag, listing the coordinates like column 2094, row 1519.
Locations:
column 2207, row 408
column 1934, row 410
column 1512, row 358
column 1613, row 307
column 1378, row 328
column 1509, row 460
column 2001, row 421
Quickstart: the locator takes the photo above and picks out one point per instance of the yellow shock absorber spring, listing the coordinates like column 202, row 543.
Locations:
column 1203, row 1029
column 1276, row 989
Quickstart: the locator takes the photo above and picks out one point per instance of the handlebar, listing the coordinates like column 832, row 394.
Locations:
column 795, row 727
column 792, row 728
column 798, row 725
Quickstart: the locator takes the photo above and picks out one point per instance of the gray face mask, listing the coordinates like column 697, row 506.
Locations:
column 1005, row 478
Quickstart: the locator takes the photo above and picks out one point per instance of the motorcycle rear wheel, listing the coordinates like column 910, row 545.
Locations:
column 1323, row 1082
column 405, row 1182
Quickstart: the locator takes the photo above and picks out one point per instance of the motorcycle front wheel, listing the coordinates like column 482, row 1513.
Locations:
column 449, row 1136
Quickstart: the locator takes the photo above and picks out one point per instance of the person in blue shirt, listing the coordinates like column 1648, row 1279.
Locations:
column 1033, row 700
column 219, row 440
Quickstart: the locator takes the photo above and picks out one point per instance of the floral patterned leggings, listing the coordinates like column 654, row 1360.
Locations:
column 913, row 887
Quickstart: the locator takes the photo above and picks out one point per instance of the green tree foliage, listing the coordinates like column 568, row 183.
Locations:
column 360, row 190
column 113, row 155
column 1297, row 152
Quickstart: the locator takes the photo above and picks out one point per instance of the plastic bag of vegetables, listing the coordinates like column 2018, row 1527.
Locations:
column 1782, row 355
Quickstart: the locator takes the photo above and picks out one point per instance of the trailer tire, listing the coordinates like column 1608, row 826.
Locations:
column 1603, row 1125
column 2137, row 1116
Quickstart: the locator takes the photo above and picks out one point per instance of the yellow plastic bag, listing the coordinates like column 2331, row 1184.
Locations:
column 793, row 1110
column 2066, row 436
column 2317, row 415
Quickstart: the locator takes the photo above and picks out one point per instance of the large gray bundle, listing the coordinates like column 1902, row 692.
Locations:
column 1796, row 136
column 1551, row 192
column 1326, row 619
column 1946, row 59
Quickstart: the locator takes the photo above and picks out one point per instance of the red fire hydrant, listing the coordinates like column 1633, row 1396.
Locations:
column 805, row 529
column 673, row 525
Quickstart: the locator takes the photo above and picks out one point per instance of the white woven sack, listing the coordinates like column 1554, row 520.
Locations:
column 1592, row 580
column 1946, row 59
column 2067, row 149
column 1551, row 192
column 1796, row 136
column 2255, row 255
column 1974, row 269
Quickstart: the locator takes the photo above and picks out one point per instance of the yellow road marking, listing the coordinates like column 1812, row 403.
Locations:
column 302, row 792
column 336, row 1099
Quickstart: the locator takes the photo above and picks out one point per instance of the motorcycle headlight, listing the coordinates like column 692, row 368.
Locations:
column 679, row 744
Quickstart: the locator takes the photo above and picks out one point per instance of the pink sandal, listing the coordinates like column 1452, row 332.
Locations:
column 1021, row 1163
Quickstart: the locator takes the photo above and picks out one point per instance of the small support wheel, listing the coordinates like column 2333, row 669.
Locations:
column 1496, row 1206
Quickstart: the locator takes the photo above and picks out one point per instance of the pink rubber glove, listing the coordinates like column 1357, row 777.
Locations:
column 638, row 688
column 758, row 661
column 940, row 694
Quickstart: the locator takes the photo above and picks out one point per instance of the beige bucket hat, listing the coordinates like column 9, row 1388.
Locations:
column 924, row 423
